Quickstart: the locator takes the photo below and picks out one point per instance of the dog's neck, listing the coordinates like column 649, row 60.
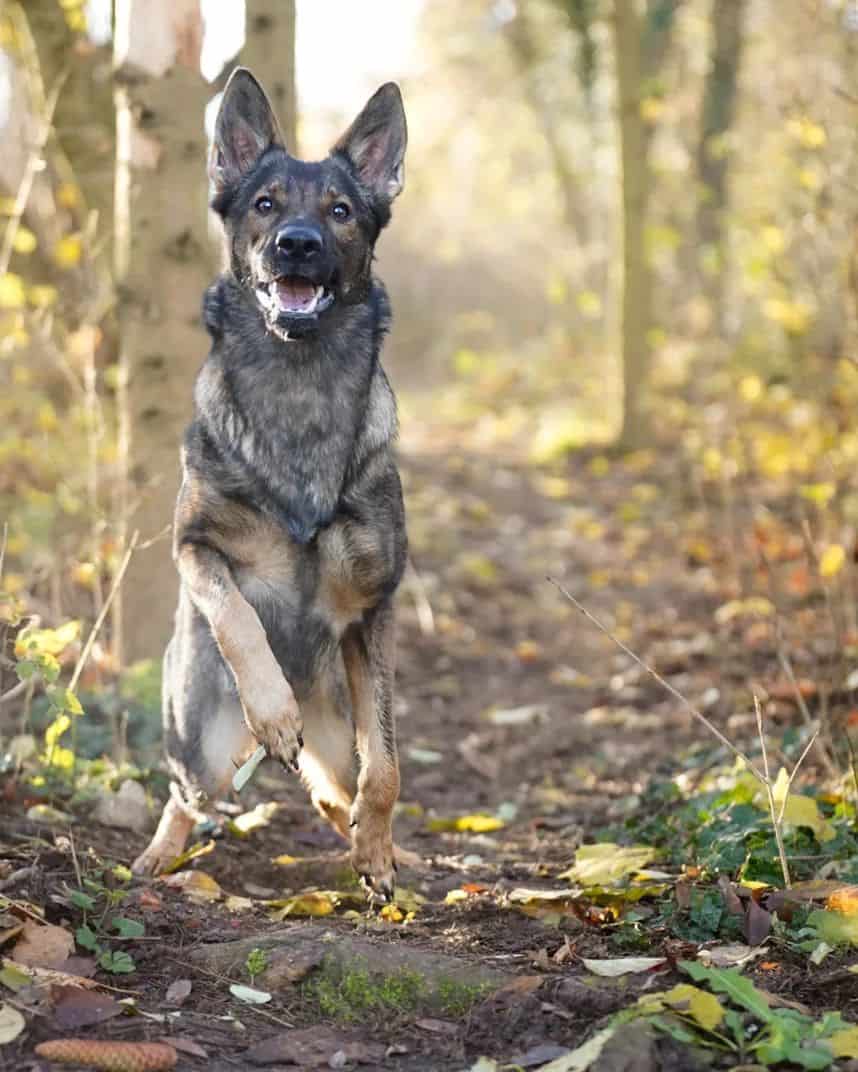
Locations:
column 286, row 416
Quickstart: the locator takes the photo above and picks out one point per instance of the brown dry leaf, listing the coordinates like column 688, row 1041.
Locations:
column 178, row 991
column 45, row 976
column 194, row 1049
column 43, row 945
column 437, row 1027
column 75, row 1007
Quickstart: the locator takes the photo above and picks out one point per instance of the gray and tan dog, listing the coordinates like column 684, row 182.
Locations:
column 290, row 529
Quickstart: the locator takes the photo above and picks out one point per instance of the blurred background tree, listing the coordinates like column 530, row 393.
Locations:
column 625, row 223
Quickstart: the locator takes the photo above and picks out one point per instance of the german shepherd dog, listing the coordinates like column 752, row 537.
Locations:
column 289, row 532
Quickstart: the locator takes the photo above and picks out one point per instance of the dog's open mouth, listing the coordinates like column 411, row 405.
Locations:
column 294, row 297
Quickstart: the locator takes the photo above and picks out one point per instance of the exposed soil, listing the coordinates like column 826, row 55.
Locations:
column 486, row 533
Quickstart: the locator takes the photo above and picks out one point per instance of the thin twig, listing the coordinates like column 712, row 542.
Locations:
column 664, row 684
column 32, row 167
column 777, row 820
column 99, row 621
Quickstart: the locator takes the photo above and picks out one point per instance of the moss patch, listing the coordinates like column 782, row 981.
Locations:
column 351, row 993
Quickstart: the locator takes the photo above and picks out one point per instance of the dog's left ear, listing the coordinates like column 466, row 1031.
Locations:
column 245, row 128
column 375, row 143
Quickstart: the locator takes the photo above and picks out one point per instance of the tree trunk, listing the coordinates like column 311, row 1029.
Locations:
column 163, row 262
column 83, row 119
column 269, row 51
column 635, row 178
column 713, row 157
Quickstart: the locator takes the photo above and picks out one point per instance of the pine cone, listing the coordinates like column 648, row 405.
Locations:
column 110, row 1056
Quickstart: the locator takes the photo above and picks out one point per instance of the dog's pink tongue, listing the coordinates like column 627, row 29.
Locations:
column 294, row 294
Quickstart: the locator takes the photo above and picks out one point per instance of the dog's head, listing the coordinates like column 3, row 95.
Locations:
column 301, row 235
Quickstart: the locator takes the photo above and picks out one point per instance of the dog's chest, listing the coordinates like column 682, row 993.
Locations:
column 331, row 580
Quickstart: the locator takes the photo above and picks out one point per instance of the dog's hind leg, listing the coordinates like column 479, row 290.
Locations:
column 206, row 739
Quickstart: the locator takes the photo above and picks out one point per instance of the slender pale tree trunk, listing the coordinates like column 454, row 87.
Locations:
column 269, row 51
column 163, row 262
column 713, row 155
column 635, row 179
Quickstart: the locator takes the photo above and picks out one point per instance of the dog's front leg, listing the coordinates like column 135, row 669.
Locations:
column 269, row 705
column 369, row 656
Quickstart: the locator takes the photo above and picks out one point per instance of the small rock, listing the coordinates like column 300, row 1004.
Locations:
column 127, row 809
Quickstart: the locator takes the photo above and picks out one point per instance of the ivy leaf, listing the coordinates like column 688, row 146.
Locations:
column 119, row 962
column 86, row 938
column 128, row 928
column 82, row 900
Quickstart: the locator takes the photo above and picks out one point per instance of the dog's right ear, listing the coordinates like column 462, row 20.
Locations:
column 244, row 129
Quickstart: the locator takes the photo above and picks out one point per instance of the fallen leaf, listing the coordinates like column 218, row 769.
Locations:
column 196, row 885
column 616, row 966
column 12, row 1023
column 178, row 991
column 580, row 1059
column 474, row 824
column 184, row 1045
column 801, row 810
column 730, row 955
column 43, row 945
column 606, row 863
column 200, row 848
column 437, row 1027
column 844, row 1043
column 258, row 817
column 75, row 1008
column 519, row 716
column 704, row 1008
column 538, row 1056
column 834, row 928
column 249, row 995
column 311, row 903
column 17, row 976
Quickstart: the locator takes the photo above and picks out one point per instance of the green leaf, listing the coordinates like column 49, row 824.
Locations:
column 739, row 990
column 82, row 900
column 127, row 928
column 119, row 962
column 86, row 938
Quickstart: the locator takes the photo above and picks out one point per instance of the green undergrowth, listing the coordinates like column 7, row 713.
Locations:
column 352, row 992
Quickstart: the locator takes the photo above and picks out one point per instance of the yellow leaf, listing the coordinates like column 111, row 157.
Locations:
column 802, row 810
column 67, row 194
column 285, row 860
column 68, row 251
column 844, row 1043
column 25, row 240
column 46, row 641
column 834, row 927
column 198, row 849
column 311, row 903
column 602, row 864
column 196, row 885
column 704, row 1008
column 831, row 560
column 474, row 824
column 12, row 294
column 42, row 296
column 255, row 819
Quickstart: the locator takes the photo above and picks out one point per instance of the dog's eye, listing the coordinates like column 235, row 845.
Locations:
column 263, row 205
column 340, row 211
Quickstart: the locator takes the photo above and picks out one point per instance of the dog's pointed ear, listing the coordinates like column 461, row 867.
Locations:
column 375, row 143
column 244, row 129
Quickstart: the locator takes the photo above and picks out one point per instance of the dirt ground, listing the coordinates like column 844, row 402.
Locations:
column 509, row 704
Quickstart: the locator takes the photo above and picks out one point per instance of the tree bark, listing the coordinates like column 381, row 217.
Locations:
column 713, row 157
column 635, row 179
column 163, row 262
column 269, row 51
column 84, row 117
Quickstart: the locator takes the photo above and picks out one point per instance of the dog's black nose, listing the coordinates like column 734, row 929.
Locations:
column 299, row 241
